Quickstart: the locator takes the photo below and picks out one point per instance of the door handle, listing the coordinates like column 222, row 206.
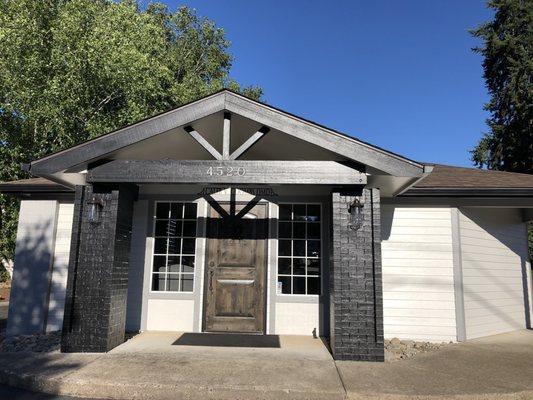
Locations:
column 211, row 280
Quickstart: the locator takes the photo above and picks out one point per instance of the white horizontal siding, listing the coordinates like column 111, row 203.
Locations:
column 137, row 264
column 417, row 259
column 58, row 283
column 494, row 254
column 34, row 254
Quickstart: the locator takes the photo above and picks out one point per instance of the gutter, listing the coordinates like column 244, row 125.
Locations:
column 467, row 192
column 427, row 170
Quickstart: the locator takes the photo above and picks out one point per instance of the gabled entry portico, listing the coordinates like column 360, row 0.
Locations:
column 310, row 235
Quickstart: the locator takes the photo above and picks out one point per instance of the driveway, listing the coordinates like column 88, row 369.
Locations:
column 175, row 366
column 495, row 367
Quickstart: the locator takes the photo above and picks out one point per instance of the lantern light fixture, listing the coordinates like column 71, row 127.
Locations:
column 356, row 217
column 97, row 203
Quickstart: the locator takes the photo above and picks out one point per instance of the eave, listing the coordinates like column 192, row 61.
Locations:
column 468, row 192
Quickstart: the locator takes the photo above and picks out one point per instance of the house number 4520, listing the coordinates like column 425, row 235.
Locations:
column 226, row 171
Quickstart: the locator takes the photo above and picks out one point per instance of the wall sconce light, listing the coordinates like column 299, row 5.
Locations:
column 356, row 217
column 97, row 203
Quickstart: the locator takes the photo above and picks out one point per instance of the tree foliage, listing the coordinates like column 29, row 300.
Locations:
column 507, row 49
column 71, row 70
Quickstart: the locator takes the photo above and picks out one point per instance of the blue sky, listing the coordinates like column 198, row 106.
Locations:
column 397, row 74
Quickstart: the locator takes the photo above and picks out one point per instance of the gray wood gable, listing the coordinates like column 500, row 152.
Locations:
column 227, row 101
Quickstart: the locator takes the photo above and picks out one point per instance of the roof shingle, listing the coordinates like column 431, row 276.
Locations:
column 444, row 176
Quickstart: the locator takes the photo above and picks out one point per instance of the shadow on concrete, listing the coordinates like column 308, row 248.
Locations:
column 8, row 392
column 24, row 369
column 228, row 340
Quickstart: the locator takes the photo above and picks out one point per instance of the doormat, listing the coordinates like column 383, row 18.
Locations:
column 228, row 340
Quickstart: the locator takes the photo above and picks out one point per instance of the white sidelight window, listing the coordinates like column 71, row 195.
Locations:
column 299, row 249
column 174, row 247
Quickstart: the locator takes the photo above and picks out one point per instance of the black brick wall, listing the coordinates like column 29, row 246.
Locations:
column 97, row 285
column 355, row 281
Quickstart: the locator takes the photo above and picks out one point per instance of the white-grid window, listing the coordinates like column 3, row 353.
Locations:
column 174, row 247
column 299, row 248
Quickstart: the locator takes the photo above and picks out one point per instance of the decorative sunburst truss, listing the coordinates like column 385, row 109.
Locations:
column 226, row 140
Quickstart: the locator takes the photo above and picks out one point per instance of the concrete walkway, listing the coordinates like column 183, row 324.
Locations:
column 173, row 366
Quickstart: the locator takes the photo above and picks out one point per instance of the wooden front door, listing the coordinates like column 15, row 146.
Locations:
column 235, row 272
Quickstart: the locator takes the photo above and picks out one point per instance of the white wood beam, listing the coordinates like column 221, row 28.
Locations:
column 204, row 143
column 226, row 138
column 249, row 143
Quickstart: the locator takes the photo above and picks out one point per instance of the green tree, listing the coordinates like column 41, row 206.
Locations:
column 507, row 49
column 71, row 70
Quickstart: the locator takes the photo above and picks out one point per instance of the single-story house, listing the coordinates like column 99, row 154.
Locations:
column 229, row 215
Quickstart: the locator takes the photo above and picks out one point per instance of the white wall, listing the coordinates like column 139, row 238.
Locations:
column 33, row 262
column 418, row 287
column 170, row 315
column 297, row 318
column 137, row 263
column 58, row 282
column 494, row 254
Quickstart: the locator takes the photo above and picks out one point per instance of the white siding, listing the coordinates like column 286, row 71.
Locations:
column 494, row 254
column 137, row 263
column 418, row 287
column 31, row 274
column 58, row 283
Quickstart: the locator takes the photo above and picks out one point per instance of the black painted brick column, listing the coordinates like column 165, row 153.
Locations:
column 97, row 284
column 355, row 281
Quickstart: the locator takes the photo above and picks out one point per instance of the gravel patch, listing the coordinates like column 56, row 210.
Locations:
column 396, row 349
column 46, row 343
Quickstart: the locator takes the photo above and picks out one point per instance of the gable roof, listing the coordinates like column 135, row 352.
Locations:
column 445, row 180
column 226, row 100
